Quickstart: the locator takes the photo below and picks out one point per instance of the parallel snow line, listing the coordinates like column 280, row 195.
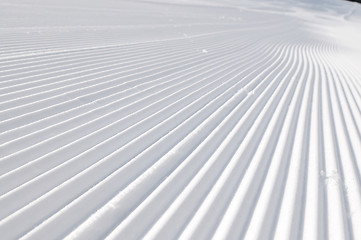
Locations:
column 118, row 110
column 152, row 50
column 181, row 39
column 85, row 56
column 125, row 65
column 248, row 168
column 85, row 223
column 127, row 54
column 141, row 86
column 77, row 97
column 291, row 170
column 336, row 224
column 297, row 170
column 250, row 95
column 315, row 206
column 353, row 90
column 347, row 109
column 212, row 121
column 120, row 67
column 104, row 102
column 68, row 86
column 347, row 168
column 86, row 53
column 25, row 165
column 66, row 94
column 55, row 50
column 287, row 119
column 83, row 62
column 209, row 165
column 352, row 127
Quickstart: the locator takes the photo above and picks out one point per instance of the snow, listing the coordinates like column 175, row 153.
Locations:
column 154, row 119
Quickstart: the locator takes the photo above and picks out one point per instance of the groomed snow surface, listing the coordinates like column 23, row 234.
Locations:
column 223, row 119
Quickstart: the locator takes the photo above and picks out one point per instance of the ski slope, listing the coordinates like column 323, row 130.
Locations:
column 155, row 119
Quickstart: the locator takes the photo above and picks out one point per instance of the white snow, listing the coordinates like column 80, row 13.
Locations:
column 155, row 119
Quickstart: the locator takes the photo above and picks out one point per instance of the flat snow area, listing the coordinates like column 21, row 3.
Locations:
column 156, row 119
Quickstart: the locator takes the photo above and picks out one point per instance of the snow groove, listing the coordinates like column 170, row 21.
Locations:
column 204, row 120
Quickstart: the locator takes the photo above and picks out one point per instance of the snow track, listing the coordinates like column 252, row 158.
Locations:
column 190, row 120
